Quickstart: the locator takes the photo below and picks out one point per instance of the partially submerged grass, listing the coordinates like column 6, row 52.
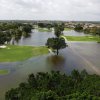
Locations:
column 44, row 30
column 18, row 53
column 67, row 29
column 83, row 38
column 50, row 30
column 4, row 72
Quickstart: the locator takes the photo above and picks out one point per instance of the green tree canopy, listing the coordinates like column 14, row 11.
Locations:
column 57, row 86
column 56, row 43
column 78, row 27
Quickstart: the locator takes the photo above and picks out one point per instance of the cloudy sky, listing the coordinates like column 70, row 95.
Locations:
column 85, row 10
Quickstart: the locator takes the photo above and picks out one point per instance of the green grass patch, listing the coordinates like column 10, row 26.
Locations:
column 83, row 38
column 4, row 72
column 67, row 29
column 18, row 53
column 44, row 30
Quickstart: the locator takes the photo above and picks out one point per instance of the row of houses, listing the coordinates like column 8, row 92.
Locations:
column 83, row 24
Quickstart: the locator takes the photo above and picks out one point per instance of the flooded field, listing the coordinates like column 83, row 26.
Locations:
column 78, row 55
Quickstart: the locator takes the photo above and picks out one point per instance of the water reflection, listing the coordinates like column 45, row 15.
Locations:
column 37, row 38
column 55, row 61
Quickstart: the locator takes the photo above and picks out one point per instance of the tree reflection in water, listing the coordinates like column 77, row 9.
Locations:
column 56, row 61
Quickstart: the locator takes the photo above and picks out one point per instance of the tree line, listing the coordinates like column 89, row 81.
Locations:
column 13, row 31
column 57, row 86
column 88, row 30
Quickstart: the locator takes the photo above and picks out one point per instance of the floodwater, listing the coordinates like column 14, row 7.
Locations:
column 78, row 55
column 37, row 38
column 74, row 33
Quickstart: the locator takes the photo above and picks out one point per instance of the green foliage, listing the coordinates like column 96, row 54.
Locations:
column 49, row 95
column 57, row 42
column 93, row 31
column 78, row 27
column 57, row 86
column 45, row 25
column 13, row 31
column 27, row 28
column 58, row 29
column 2, row 38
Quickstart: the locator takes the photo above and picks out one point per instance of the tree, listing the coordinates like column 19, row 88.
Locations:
column 49, row 26
column 62, row 26
column 84, row 74
column 76, row 76
column 32, row 80
column 18, row 35
column 13, row 31
column 12, row 95
column 8, row 36
column 2, row 38
column 57, row 86
column 58, row 29
column 27, row 28
column 49, row 95
column 56, row 44
column 98, row 32
column 78, row 27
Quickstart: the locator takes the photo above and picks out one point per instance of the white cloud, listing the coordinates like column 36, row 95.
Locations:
column 50, row 9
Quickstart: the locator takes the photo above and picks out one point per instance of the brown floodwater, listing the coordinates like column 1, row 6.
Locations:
column 78, row 55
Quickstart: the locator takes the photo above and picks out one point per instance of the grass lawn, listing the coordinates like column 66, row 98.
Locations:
column 67, row 29
column 4, row 72
column 83, row 38
column 18, row 53
column 44, row 30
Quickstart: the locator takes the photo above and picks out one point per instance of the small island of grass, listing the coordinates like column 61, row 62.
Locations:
column 14, row 53
column 44, row 30
column 68, row 29
column 3, row 72
column 83, row 38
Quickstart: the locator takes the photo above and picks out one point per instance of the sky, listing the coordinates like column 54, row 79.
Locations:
column 67, row 10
